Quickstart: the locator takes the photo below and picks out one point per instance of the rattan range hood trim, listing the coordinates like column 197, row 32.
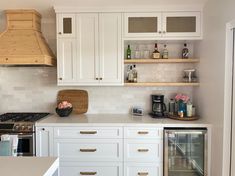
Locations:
column 22, row 43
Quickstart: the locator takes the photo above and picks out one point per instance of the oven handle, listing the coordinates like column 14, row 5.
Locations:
column 25, row 135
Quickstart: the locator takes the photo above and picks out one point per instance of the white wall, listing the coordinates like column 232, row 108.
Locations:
column 210, row 95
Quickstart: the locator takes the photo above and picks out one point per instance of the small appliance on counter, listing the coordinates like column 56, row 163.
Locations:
column 158, row 106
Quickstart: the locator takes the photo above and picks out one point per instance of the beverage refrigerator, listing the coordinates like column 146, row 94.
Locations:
column 185, row 152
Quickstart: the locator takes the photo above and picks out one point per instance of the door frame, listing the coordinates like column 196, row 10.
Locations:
column 228, row 99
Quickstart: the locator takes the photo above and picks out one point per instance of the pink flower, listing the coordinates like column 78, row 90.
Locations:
column 182, row 97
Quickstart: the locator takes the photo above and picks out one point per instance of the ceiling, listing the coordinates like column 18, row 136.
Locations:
column 45, row 7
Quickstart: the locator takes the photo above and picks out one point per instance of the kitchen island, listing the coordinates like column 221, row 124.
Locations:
column 29, row 166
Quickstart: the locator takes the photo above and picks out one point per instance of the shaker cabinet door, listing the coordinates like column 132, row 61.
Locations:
column 66, row 26
column 182, row 24
column 110, row 47
column 87, row 48
column 142, row 24
column 66, row 56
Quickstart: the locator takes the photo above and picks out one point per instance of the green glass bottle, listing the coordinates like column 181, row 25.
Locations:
column 128, row 52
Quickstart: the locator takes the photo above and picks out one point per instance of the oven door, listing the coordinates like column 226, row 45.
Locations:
column 26, row 144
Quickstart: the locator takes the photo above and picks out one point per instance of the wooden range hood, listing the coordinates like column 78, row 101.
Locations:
column 23, row 43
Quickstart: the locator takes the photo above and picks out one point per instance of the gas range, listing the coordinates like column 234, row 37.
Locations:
column 19, row 122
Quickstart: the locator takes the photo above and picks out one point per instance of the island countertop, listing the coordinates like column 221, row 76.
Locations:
column 28, row 166
column 117, row 120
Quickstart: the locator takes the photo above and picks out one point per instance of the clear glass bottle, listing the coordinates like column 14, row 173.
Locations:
column 189, row 109
column 135, row 74
column 165, row 53
column 130, row 75
column 137, row 53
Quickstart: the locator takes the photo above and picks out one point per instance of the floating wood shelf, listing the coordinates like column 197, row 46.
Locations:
column 151, row 84
column 155, row 61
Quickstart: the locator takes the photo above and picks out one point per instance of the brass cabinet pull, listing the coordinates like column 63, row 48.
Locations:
column 60, row 78
column 143, row 132
column 143, row 173
column 101, row 78
column 159, row 32
column 96, row 78
column 88, row 150
column 88, row 173
column 88, row 132
column 60, row 33
column 143, row 150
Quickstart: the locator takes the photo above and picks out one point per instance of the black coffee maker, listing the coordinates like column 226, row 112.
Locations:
column 158, row 106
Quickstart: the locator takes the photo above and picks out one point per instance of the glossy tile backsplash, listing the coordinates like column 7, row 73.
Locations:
column 35, row 89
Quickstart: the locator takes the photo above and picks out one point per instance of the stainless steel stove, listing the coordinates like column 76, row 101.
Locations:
column 22, row 124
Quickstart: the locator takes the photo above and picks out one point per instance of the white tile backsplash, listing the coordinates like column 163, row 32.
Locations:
column 34, row 89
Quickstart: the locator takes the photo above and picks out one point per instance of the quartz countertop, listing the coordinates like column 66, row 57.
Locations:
column 28, row 166
column 116, row 120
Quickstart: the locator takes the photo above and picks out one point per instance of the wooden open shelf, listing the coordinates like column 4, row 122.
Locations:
column 151, row 84
column 154, row 61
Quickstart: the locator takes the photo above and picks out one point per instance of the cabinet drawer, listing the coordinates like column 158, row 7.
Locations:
column 88, row 132
column 142, row 169
column 143, row 132
column 143, row 150
column 88, row 150
column 95, row 169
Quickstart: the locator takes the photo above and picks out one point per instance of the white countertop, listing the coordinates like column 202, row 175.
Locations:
column 28, row 166
column 116, row 120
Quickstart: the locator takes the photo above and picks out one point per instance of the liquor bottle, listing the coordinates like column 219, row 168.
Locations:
column 185, row 52
column 135, row 74
column 128, row 52
column 165, row 53
column 130, row 75
column 156, row 53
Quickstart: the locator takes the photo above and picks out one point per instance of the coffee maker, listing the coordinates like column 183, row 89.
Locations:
column 158, row 106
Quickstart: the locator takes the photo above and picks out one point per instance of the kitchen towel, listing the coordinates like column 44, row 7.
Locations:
column 13, row 142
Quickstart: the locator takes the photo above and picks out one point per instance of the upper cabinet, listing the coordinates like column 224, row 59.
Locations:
column 90, row 53
column 165, row 25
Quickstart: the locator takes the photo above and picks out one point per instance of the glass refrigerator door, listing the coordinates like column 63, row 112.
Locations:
column 185, row 155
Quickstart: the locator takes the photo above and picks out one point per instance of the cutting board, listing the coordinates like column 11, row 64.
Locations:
column 78, row 98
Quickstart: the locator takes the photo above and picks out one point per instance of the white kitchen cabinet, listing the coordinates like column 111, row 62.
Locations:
column 143, row 169
column 142, row 24
column 181, row 24
column 95, row 57
column 66, row 25
column 163, row 25
column 91, row 168
column 66, row 61
column 44, row 141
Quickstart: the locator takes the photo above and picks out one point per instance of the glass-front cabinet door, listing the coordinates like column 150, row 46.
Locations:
column 142, row 24
column 66, row 25
column 178, row 24
column 185, row 152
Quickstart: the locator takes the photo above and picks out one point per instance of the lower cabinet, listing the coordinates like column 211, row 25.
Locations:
column 96, row 169
column 103, row 151
column 143, row 169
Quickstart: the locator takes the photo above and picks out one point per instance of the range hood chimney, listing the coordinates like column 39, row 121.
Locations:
column 23, row 43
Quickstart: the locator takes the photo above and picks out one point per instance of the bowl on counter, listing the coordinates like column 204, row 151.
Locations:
column 65, row 112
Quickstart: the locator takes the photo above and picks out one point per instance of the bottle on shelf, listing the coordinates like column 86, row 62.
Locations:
column 189, row 109
column 165, row 53
column 156, row 53
column 185, row 52
column 137, row 53
column 130, row 75
column 128, row 52
column 135, row 74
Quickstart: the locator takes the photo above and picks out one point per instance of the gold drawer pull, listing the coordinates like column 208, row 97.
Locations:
column 143, row 150
column 143, row 173
column 88, row 132
column 88, row 150
column 88, row 173
column 143, row 132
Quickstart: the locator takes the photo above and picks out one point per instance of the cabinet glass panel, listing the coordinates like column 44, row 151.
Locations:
column 186, row 154
column 181, row 24
column 142, row 24
column 67, row 25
